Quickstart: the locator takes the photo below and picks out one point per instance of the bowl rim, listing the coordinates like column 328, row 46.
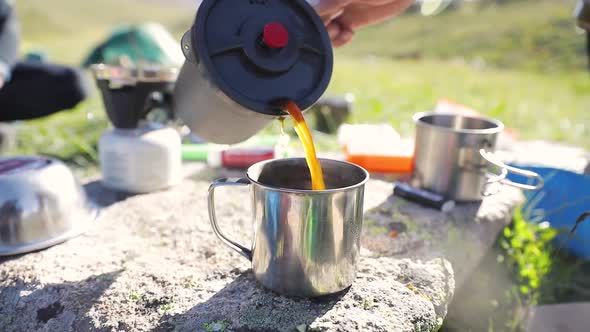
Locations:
column 92, row 214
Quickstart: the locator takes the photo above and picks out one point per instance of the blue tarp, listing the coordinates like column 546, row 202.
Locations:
column 564, row 198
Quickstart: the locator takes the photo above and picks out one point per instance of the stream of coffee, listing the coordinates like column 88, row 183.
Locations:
column 315, row 169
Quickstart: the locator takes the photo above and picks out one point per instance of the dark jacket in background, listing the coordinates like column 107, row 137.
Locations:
column 32, row 89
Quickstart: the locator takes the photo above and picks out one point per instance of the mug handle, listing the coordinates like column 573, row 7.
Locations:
column 247, row 253
column 493, row 159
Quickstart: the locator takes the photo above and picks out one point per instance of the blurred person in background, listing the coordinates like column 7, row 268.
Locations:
column 30, row 90
column 583, row 16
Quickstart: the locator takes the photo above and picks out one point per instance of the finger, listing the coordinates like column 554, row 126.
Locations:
column 327, row 19
column 373, row 3
column 344, row 37
column 357, row 16
column 333, row 30
column 329, row 7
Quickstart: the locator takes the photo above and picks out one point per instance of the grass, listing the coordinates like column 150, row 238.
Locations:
column 538, row 106
column 388, row 86
column 68, row 29
column 216, row 326
column 535, row 35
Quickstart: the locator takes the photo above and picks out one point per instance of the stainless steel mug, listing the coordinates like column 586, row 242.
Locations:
column 306, row 243
column 454, row 154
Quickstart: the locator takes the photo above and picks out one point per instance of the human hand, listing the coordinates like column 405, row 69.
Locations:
column 343, row 17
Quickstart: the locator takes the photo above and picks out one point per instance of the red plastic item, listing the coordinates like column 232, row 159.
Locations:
column 238, row 158
column 18, row 165
column 275, row 35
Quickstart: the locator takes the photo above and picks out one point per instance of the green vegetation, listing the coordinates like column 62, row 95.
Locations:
column 537, row 35
column 532, row 34
column 525, row 270
column 135, row 296
column 217, row 326
column 520, row 43
column 387, row 91
column 539, row 106
column 68, row 29
column 527, row 252
column 166, row 308
column 189, row 283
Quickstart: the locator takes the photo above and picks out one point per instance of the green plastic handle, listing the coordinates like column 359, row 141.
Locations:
column 195, row 152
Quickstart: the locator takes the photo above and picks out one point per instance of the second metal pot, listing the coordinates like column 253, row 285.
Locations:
column 454, row 154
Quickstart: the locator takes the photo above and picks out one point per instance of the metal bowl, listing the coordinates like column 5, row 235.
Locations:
column 41, row 205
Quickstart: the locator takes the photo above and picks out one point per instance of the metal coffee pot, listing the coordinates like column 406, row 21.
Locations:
column 245, row 59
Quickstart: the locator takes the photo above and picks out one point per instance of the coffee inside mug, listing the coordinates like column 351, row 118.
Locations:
column 294, row 174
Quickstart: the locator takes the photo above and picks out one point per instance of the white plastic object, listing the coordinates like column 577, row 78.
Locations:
column 215, row 155
column 141, row 160
column 372, row 139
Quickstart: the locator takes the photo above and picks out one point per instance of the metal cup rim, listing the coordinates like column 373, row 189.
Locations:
column 498, row 125
column 307, row 191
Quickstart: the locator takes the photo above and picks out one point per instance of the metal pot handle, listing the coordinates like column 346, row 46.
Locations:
column 495, row 178
column 247, row 253
column 187, row 48
column 493, row 159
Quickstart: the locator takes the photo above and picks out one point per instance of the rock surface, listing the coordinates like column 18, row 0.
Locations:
column 400, row 228
column 546, row 154
column 152, row 263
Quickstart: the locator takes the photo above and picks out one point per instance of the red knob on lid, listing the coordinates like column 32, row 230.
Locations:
column 275, row 35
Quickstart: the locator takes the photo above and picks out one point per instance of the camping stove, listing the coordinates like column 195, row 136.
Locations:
column 138, row 155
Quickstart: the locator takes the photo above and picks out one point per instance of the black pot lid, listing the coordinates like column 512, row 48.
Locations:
column 262, row 53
